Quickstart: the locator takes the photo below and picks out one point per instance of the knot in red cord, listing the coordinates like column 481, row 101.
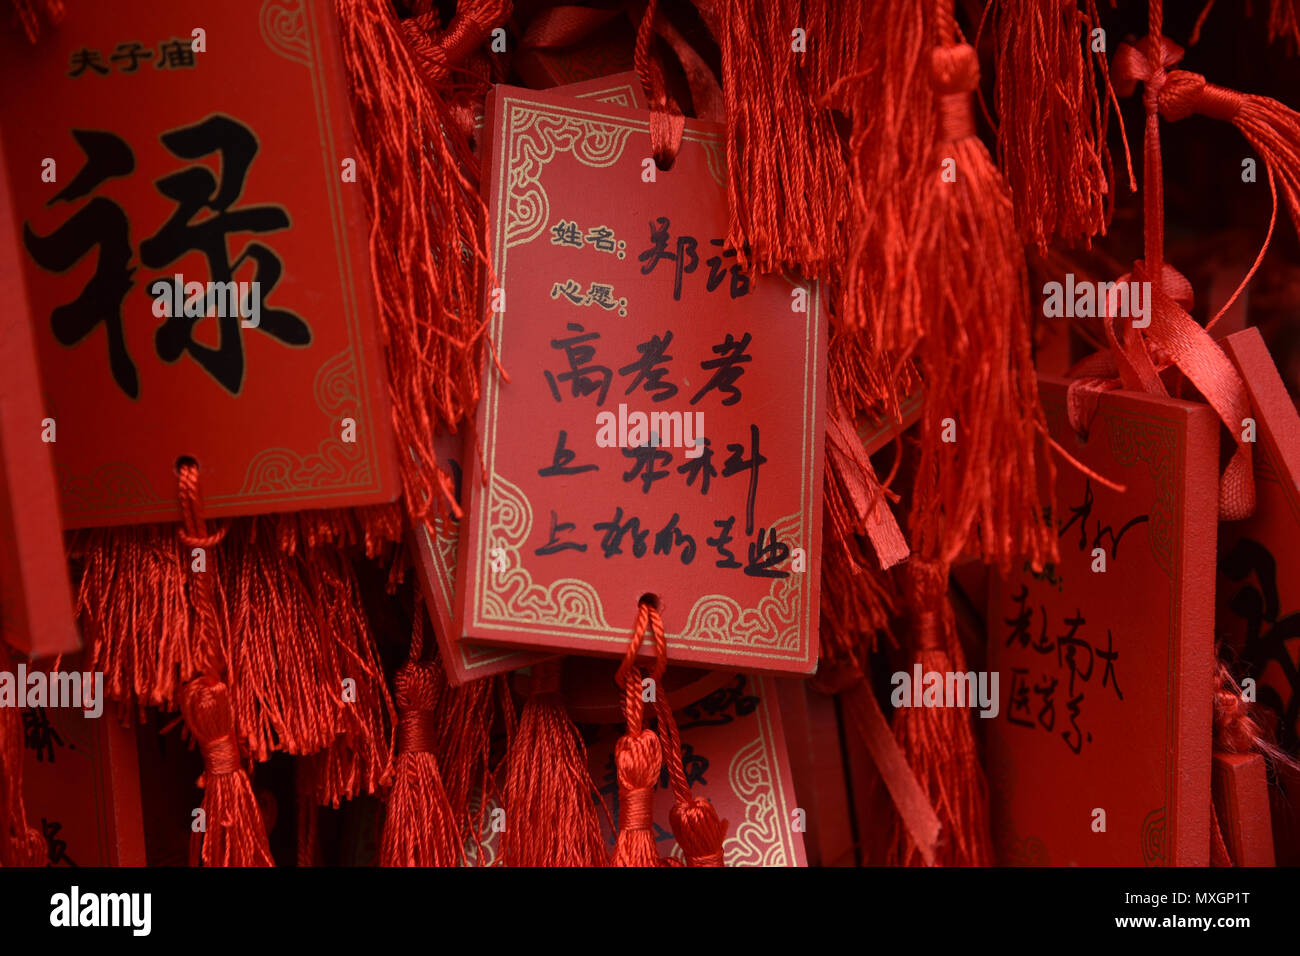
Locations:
column 468, row 29
column 205, row 706
column 636, row 809
column 699, row 831
column 417, row 732
column 638, row 758
column 954, row 69
column 1186, row 93
column 1133, row 64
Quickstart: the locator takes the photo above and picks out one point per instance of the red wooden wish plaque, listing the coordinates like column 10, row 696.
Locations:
column 436, row 548
column 81, row 779
column 35, row 600
column 1258, row 594
column 194, row 245
column 1099, row 752
column 661, row 428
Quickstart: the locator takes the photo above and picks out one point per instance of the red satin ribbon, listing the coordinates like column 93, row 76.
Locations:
column 1136, row 357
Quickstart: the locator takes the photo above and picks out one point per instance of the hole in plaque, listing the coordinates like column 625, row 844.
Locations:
column 184, row 460
column 649, row 600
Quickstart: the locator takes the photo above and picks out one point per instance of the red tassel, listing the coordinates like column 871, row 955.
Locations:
column 420, row 828
column 891, row 161
column 428, row 238
column 981, row 489
column 551, row 800
column 234, row 834
column 698, row 829
column 1270, row 127
column 299, row 634
column 1052, row 121
column 939, row 741
column 138, row 633
column 638, row 760
column 784, row 161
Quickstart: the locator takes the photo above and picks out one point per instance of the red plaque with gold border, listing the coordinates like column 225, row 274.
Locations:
column 618, row 298
column 211, row 143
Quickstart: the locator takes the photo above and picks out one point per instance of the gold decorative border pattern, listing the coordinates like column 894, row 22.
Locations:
column 539, row 136
column 335, row 461
column 284, row 29
column 533, row 135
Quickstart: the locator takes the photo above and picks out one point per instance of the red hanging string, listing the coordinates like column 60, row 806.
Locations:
column 233, row 833
column 638, row 758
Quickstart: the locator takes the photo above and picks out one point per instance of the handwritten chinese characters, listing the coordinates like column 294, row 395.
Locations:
column 577, row 374
column 1052, row 667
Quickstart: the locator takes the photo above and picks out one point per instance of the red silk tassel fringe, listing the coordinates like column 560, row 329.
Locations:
column 420, row 828
column 939, row 742
column 784, row 160
column 234, row 834
column 551, row 800
column 1051, row 119
column 981, row 489
column 428, row 238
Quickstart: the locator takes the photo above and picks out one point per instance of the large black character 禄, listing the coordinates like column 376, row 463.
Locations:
column 196, row 191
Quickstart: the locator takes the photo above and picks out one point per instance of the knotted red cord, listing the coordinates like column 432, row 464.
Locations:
column 1173, row 337
column 694, row 821
column 638, row 758
column 666, row 120
column 233, row 833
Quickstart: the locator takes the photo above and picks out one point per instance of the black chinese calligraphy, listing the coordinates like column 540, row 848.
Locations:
column 722, row 706
column 204, row 218
column 128, row 57
column 584, row 376
column 1082, row 512
column 39, row 734
column 598, row 294
column 1076, row 665
column 101, row 226
column 685, row 257
column 600, row 238
column 56, row 850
